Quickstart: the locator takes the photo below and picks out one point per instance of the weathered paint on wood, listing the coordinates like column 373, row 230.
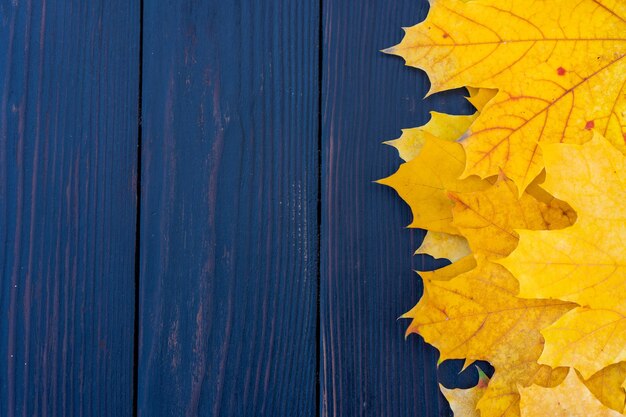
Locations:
column 367, row 367
column 68, row 138
column 229, row 209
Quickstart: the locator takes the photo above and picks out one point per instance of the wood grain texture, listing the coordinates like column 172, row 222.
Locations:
column 367, row 367
column 229, row 208
column 68, row 136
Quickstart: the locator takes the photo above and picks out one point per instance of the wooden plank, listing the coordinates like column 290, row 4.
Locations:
column 68, row 139
column 229, row 208
column 367, row 368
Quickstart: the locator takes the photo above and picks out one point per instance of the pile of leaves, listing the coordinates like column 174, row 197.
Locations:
column 526, row 199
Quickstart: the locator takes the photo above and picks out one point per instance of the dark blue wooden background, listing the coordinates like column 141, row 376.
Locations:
column 188, row 223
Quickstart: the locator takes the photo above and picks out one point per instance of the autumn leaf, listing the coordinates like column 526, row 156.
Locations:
column 477, row 316
column 425, row 181
column 585, row 263
column 558, row 66
column 441, row 125
column 444, row 246
column 488, row 218
column 607, row 386
column 502, row 397
column 479, row 97
column 569, row 399
column 463, row 402
column 538, row 274
column 450, row 271
column 479, row 304
column 491, row 234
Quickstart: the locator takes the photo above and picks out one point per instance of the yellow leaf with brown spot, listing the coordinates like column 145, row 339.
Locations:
column 558, row 65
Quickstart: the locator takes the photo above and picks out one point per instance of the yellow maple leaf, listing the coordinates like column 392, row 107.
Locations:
column 442, row 126
column 569, row 399
column 450, row 271
column 479, row 304
column 477, row 316
column 585, row 263
column 558, row 66
column 425, row 181
column 463, row 402
column 488, row 218
column 479, row 97
column 444, row 245
column 607, row 386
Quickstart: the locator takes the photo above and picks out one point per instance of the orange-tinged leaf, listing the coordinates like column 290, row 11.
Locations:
column 559, row 67
column 425, row 181
column 585, row 263
column 569, row 399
